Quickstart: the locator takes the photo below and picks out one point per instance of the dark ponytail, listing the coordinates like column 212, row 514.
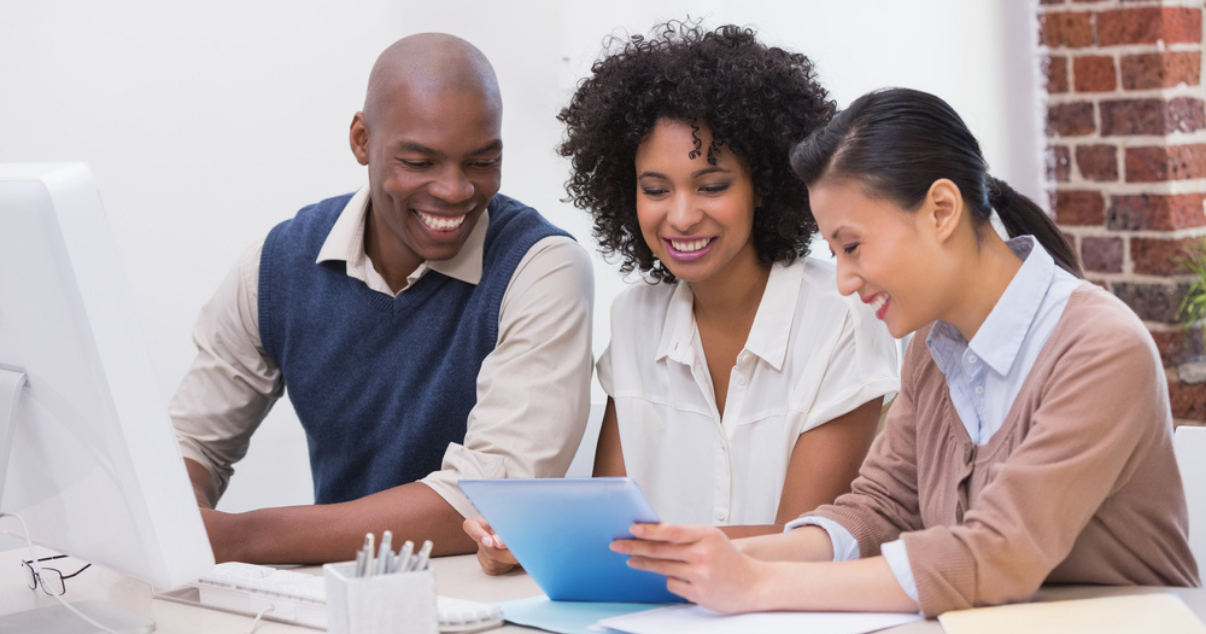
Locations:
column 897, row 142
column 1021, row 216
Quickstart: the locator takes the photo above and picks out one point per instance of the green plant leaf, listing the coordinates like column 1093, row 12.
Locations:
column 1192, row 310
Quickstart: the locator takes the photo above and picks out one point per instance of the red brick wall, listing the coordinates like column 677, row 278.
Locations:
column 1126, row 135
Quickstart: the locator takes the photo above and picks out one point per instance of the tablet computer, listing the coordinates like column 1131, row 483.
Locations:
column 559, row 530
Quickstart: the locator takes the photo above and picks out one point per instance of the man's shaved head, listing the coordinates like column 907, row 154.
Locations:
column 430, row 137
column 429, row 64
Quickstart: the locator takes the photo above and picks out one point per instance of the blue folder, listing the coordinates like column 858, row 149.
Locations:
column 559, row 529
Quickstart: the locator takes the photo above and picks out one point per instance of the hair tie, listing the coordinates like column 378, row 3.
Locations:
column 1000, row 194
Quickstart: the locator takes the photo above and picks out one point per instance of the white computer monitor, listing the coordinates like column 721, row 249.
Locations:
column 88, row 458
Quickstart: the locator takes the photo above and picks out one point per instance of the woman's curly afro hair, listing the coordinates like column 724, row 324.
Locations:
column 759, row 101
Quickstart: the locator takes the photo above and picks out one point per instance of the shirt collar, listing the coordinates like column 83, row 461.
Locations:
column 946, row 346
column 776, row 312
column 345, row 243
column 679, row 327
column 1000, row 337
column 768, row 334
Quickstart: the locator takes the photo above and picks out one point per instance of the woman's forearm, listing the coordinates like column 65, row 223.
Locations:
column 807, row 543
column 862, row 585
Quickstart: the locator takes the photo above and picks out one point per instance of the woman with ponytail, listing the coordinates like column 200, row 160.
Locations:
column 1032, row 438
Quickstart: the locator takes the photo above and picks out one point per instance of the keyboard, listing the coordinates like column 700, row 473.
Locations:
column 300, row 598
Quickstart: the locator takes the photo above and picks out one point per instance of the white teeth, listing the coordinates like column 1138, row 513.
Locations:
column 441, row 223
column 689, row 245
column 879, row 302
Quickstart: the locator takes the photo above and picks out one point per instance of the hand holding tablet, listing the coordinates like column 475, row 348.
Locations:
column 492, row 553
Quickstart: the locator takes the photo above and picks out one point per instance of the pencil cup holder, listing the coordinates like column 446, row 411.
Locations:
column 398, row 603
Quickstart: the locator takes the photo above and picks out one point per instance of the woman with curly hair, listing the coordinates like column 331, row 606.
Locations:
column 743, row 389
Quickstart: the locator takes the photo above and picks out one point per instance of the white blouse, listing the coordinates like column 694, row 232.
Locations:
column 811, row 356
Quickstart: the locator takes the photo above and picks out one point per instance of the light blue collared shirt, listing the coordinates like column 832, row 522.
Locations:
column 985, row 375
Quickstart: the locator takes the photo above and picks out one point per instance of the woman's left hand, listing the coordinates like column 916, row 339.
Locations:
column 700, row 564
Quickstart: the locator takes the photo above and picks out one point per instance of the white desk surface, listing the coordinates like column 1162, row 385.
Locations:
column 455, row 577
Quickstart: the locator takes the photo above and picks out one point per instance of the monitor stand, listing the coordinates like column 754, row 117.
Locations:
column 12, row 379
column 54, row 619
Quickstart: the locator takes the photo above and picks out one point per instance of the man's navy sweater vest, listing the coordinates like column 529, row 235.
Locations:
column 382, row 384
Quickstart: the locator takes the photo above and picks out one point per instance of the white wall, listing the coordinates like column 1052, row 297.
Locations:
column 207, row 123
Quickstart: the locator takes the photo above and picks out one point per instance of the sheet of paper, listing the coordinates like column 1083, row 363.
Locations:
column 693, row 619
column 566, row 617
column 1163, row 613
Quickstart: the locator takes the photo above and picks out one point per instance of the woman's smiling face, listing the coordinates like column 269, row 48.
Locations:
column 697, row 217
column 879, row 254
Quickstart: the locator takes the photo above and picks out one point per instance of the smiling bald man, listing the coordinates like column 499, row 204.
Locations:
column 426, row 329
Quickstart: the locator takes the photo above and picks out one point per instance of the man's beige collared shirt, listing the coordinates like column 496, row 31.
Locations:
column 533, row 389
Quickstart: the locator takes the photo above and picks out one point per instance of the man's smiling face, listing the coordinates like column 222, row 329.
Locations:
column 435, row 161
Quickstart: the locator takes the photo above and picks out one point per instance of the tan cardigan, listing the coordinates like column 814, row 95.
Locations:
column 1078, row 486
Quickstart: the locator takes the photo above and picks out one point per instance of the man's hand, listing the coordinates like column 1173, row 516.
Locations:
column 492, row 553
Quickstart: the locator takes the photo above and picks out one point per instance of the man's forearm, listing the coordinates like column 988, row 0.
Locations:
column 334, row 532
